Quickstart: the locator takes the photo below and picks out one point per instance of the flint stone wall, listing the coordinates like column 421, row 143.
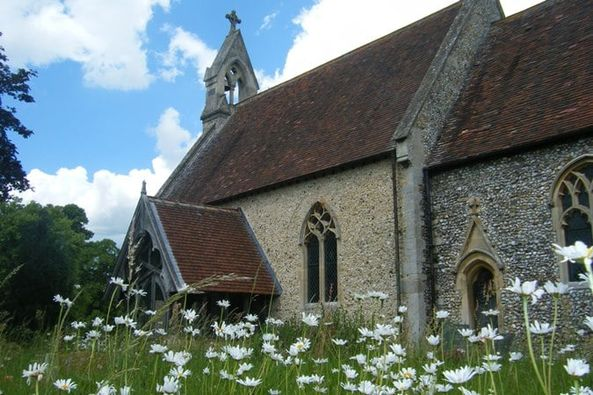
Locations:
column 361, row 201
column 515, row 195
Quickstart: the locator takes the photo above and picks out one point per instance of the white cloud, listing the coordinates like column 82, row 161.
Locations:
column 513, row 6
column 172, row 140
column 185, row 47
column 267, row 22
column 331, row 28
column 109, row 198
column 105, row 36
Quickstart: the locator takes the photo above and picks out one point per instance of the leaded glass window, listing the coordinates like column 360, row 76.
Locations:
column 331, row 267
column 321, row 249
column 312, row 269
column 574, row 196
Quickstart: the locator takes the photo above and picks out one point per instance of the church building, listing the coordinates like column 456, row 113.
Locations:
column 435, row 164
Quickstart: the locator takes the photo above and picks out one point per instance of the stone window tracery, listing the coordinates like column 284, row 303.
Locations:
column 321, row 256
column 573, row 198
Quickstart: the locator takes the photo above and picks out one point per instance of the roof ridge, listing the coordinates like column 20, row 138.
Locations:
column 201, row 206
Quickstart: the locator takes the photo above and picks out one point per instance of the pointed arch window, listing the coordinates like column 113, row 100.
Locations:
column 232, row 85
column 480, row 281
column 573, row 203
column 321, row 256
column 150, row 268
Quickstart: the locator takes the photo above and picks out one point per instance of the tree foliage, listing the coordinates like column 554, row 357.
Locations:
column 15, row 86
column 51, row 245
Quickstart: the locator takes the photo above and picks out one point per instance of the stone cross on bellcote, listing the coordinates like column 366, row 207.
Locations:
column 233, row 19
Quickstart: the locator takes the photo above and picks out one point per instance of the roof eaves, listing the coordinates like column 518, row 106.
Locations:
column 175, row 273
column 444, row 165
column 319, row 173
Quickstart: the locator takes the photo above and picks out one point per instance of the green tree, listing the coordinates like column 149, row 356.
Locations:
column 15, row 86
column 96, row 265
column 51, row 243
column 79, row 219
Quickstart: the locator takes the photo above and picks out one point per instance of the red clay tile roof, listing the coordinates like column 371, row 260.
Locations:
column 340, row 112
column 532, row 82
column 209, row 241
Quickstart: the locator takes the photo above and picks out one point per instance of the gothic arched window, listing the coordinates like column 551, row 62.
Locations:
column 573, row 203
column 480, row 281
column 149, row 271
column 321, row 256
column 231, row 80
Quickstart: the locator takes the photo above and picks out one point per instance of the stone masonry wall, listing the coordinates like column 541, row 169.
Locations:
column 515, row 194
column 362, row 204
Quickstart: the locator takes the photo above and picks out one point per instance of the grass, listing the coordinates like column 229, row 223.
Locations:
column 306, row 358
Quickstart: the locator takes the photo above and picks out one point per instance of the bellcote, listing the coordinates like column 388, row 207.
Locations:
column 229, row 80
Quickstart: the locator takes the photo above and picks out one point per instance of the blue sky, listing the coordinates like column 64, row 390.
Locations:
column 119, row 88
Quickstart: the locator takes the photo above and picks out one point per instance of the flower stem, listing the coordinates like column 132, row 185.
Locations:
column 530, row 346
column 551, row 348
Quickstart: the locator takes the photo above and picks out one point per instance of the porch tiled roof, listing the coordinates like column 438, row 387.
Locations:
column 208, row 241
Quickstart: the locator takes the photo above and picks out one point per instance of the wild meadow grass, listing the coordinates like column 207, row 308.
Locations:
column 130, row 351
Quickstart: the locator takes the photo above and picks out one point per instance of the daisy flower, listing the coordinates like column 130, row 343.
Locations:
column 377, row 295
column 515, row 356
column 35, row 372
column 118, row 281
column 576, row 367
column 540, row 328
column 249, row 382
column 157, row 349
column 104, row 388
column 251, row 317
column 575, row 252
column 190, row 315
column 310, row 319
column 177, row 358
column 459, row 376
column 442, row 314
column 556, row 289
column 170, row 386
column 528, row 288
column 179, row 372
column 65, row 385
